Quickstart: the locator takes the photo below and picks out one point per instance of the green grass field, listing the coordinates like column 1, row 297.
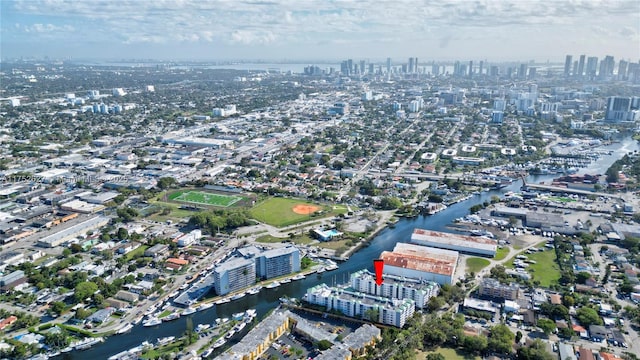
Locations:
column 449, row 354
column 204, row 198
column 298, row 239
column 546, row 269
column 501, row 253
column 278, row 211
column 475, row 264
column 334, row 245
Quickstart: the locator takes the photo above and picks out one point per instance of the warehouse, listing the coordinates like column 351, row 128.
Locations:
column 421, row 262
column 475, row 245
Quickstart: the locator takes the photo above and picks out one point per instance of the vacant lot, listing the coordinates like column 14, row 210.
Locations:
column 449, row 354
column 475, row 264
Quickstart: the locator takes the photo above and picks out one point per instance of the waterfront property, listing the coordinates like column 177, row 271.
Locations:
column 421, row 262
column 360, row 305
column 476, row 245
column 395, row 287
column 278, row 262
column 233, row 275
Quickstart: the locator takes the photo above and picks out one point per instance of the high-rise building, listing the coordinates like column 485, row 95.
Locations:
column 344, row 68
column 622, row 70
column 480, row 67
column 233, row 275
column 411, row 64
column 592, row 66
column 606, row 67
column 435, row 69
column 470, row 68
column 522, row 74
column 362, row 67
column 278, row 262
column 388, row 65
column 371, row 69
column 575, row 67
column 567, row 65
column 532, row 73
column 580, row 66
column 618, row 108
column 494, row 70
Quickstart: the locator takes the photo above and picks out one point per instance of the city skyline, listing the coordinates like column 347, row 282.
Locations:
column 443, row 30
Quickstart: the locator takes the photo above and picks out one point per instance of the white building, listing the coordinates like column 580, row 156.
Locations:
column 359, row 305
column 476, row 245
column 395, row 287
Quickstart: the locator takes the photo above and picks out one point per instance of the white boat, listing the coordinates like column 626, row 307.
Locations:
column 87, row 343
column 124, row 329
column 240, row 326
column 331, row 265
column 171, row 317
column 225, row 320
column 321, row 270
column 165, row 340
column 174, row 294
column 121, row 355
column 189, row 311
column 254, row 290
column 230, row 334
column 298, row 277
column 219, row 343
column 202, row 327
column 150, row 310
column 285, row 281
column 204, row 306
column 273, row 285
column 66, row 350
column 207, row 353
column 237, row 316
column 238, row 296
column 152, row 322
column 251, row 312
column 222, row 301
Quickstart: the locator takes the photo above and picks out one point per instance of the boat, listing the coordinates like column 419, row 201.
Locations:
column 331, row 265
column 66, row 350
column 219, row 343
column 230, row 334
column 251, row 313
column 222, row 301
column 238, row 296
column 87, row 343
column 285, row 281
column 171, row 317
column 124, row 329
column 150, row 310
column 121, row 355
column 237, row 316
column 321, row 270
column 152, row 322
column 165, row 340
column 254, row 290
column 298, row 277
column 240, row 326
column 137, row 320
column 207, row 353
column 273, row 285
column 202, row 327
column 188, row 311
column 174, row 294
column 204, row 306
column 225, row 320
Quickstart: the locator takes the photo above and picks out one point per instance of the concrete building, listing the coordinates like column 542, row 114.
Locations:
column 421, row 262
column 258, row 340
column 233, row 275
column 495, row 289
column 395, row 287
column 359, row 305
column 59, row 237
column 278, row 262
column 476, row 245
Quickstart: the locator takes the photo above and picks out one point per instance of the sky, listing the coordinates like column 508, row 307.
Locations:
column 494, row 30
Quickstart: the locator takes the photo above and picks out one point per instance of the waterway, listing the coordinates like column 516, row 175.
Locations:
column 267, row 299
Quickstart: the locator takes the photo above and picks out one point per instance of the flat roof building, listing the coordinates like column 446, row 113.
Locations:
column 57, row 238
column 395, row 287
column 421, row 262
column 233, row 275
column 476, row 245
column 495, row 289
column 278, row 262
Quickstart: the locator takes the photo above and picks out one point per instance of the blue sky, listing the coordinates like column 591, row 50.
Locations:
column 323, row 29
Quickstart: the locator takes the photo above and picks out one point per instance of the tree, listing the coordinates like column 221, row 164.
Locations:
column 582, row 277
column 546, row 325
column 58, row 307
column 474, row 344
column 500, row 339
column 122, row 234
column 390, row 203
column 84, row 290
column 588, row 316
column 323, row 345
column 166, row 182
column 518, row 336
column 435, row 356
column 535, row 351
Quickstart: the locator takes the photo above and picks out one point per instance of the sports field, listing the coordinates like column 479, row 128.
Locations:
column 204, row 198
column 283, row 212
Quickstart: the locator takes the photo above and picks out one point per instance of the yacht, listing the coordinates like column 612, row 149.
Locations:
column 222, row 301
column 87, row 343
column 273, row 285
column 298, row 277
column 285, row 281
column 207, row 353
column 240, row 326
column 124, row 329
column 219, row 343
column 230, row 334
column 202, row 327
column 237, row 316
column 331, row 265
column 171, row 317
column 321, row 270
column 151, row 322
column 254, row 290
column 188, row 311
column 204, row 306
column 238, row 296
column 165, row 340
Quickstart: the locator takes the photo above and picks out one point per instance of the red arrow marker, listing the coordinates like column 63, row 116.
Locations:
column 378, row 265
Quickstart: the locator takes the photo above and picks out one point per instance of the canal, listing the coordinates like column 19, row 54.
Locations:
column 267, row 299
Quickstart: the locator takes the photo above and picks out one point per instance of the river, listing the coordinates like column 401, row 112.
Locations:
column 267, row 299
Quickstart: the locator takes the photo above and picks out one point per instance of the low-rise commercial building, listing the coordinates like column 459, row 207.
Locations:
column 476, row 245
column 421, row 262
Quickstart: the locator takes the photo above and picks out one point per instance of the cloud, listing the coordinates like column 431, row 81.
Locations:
column 45, row 28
